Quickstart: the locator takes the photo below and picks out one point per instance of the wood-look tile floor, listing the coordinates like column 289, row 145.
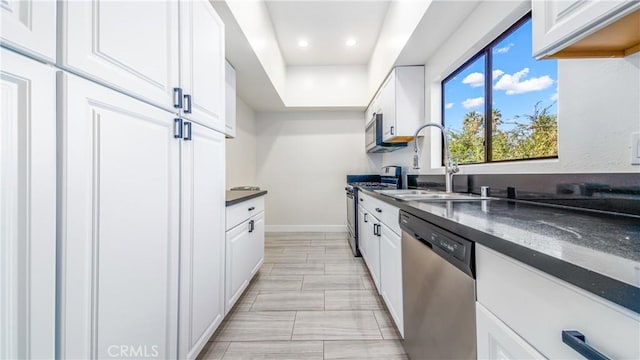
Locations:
column 312, row 299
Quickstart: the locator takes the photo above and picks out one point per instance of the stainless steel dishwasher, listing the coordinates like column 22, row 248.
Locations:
column 438, row 279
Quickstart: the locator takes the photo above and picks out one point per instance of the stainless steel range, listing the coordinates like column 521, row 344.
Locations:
column 390, row 177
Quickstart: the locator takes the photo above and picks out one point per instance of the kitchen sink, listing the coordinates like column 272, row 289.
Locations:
column 426, row 195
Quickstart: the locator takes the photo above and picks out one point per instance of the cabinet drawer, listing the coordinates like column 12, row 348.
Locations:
column 539, row 307
column 240, row 212
column 387, row 214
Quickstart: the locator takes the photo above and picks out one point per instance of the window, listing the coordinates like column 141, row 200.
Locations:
column 504, row 83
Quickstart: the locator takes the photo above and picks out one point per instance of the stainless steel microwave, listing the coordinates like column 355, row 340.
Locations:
column 373, row 137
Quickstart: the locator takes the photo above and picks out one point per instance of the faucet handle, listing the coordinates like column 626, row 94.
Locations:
column 453, row 166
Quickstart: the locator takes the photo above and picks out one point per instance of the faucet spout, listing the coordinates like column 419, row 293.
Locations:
column 449, row 167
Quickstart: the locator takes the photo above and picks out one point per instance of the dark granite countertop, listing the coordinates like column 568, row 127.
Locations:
column 596, row 251
column 238, row 196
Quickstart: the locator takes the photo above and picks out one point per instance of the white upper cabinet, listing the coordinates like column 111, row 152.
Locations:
column 558, row 24
column 27, row 208
column 119, row 210
column 202, row 75
column 29, row 26
column 132, row 47
column 202, row 238
column 401, row 100
column 230, row 100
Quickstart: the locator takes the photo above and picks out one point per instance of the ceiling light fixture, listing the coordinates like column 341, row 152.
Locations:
column 350, row 42
column 303, row 43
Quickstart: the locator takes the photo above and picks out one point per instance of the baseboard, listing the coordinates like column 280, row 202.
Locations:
column 306, row 228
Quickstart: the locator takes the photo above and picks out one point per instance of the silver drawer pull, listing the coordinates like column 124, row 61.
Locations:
column 578, row 342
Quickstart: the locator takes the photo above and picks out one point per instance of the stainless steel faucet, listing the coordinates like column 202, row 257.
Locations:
column 449, row 167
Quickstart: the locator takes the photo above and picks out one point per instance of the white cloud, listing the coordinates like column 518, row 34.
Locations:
column 473, row 102
column 448, row 105
column 475, row 79
column 497, row 73
column 504, row 49
column 512, row 85
column 554, row 96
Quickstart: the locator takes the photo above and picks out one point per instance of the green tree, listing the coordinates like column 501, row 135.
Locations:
column 535, row 137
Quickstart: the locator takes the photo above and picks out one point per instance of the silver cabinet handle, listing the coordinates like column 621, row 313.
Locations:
column 187, row 104
column 577, row 341
column 187, row 133
column 177, row 128
column 177, row 98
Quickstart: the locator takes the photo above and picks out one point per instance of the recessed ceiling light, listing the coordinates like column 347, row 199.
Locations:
column 303, row 43
column 350, row 42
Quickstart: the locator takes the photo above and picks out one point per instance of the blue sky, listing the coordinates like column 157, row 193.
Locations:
column 519, row 81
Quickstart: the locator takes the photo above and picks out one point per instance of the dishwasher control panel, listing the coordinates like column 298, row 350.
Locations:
column 449, row 245
column 455, row 249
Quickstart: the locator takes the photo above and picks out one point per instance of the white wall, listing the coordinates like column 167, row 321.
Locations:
column 327, row 86
column 254, row 20
column 402, row 18
column 241, row 151
column 302, row 160
column 598, row 103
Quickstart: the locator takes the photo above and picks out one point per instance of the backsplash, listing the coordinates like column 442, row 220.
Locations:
column 616, row 192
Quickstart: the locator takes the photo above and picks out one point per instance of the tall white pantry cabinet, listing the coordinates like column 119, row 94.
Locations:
column 116, row 247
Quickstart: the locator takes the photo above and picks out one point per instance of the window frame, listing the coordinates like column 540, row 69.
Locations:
column 486, row 51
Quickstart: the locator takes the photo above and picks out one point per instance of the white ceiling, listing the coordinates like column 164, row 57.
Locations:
column 326, row 25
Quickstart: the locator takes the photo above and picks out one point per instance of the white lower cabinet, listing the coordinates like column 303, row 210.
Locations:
column 370, row 244
column 244, row 252
column 380, row 246
column 27, row 207
column 202, row 239
column 141, row 228
column 539, row 307
column 391, row 274
column 495, row 340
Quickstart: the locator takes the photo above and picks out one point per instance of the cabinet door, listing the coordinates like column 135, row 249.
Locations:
column 560, row 23
column 257, row 244
column 388, row 106
column 391, row 274
column 363, row 229
column 202, row 239
column 119, row 226
column 202, row 72
column 238, row 264
column 27, row 208
column 107, row 41
column 230, row 100
column 371, row 245
column 29, row 26
column 495, row 340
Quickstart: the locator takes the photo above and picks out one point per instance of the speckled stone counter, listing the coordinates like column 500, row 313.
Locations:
column 238, row 196
column 599, row 252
